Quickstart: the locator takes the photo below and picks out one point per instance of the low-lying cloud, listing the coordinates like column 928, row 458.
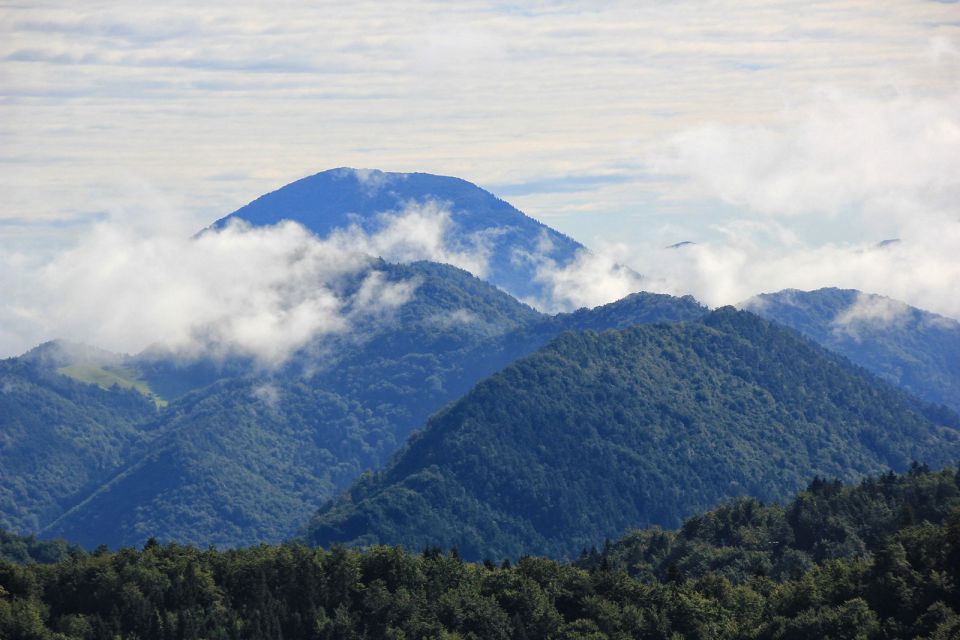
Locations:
column 871, row 311
column 808, row 202
column 421, row 231
column 921, row 272
column 589, row 280
column 263, row 292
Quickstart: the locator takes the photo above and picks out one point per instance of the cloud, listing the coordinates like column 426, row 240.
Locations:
column 922, row 274
column 515, row 97
column 589, row 280
column 454, row 318
column 268, row 394
column 260, row 292
column 263, row 292
column 839, row 153
column 373, row 179
column 872, row 310
column 420, row 231
column 563, row 184
column 492, row 92
column 805, row 203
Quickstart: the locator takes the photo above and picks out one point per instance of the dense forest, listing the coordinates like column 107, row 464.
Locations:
column 876, row 560
column 26, row 549
column 248, row 456
column 643, row 426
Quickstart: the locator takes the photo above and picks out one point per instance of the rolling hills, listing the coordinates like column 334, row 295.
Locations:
column 636, row 427
column 112, row 449
column 248, row 458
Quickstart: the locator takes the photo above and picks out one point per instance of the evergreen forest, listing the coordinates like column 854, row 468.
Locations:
column 879, row 559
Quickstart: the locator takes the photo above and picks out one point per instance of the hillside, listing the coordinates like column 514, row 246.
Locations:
column 743, row 571
column 339, row 198
column 250, row 458
column 59, row 437
column 912, row 348
column 644, row 426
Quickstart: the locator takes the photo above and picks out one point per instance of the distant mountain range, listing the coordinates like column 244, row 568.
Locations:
column 250, row 457
column 644, row 426
column 912, row 348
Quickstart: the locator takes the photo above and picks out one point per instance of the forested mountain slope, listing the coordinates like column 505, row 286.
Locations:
column 599, row 432
column 250, row 458
column 58, row 437
column 875, row 561
column 915, row 349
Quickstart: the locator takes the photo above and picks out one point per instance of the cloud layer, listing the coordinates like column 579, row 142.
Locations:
column 815, row 200
column 215, row 103
column 263, row 292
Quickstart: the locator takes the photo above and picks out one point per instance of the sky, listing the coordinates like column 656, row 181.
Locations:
column 785, row 140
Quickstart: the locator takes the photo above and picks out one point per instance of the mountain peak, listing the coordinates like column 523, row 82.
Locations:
column 476, row 225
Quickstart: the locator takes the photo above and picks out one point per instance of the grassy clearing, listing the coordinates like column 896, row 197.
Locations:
column 108, row 376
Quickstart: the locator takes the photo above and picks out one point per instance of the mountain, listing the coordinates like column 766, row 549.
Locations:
column 634, row 427
column 250, row 457
column 59, row 437
column 912, row 348
column 340, row 198
column 875, row 561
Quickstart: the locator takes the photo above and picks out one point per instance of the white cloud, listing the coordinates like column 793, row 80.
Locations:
column 420, row 231
column 872, row 311
column 264, row 292
column 374, row 179
column 922, row 274
column 806, row 203
column 839, row 153
column 181, row 93
column 589, row 280
column 455, row 318
column 268, row 394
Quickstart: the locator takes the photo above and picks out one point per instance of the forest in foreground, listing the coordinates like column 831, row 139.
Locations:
column 879, row 559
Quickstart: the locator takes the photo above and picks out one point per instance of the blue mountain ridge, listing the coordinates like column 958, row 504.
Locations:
column 340, row 198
